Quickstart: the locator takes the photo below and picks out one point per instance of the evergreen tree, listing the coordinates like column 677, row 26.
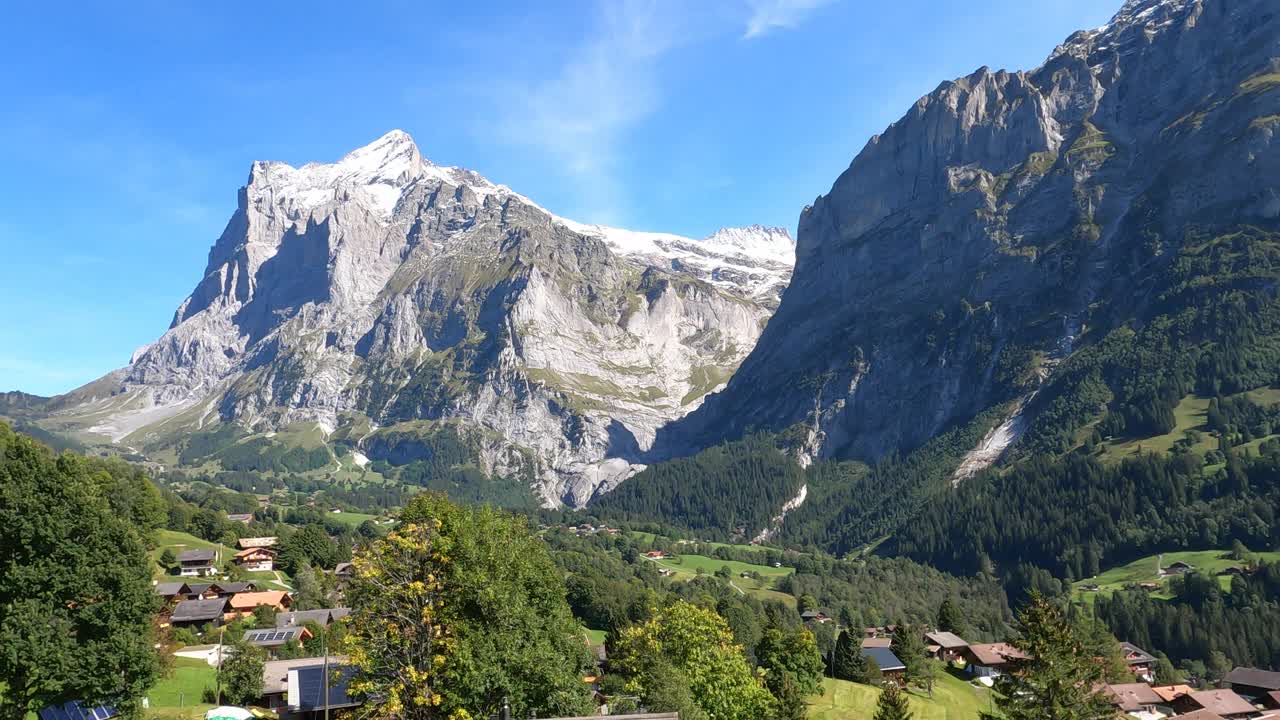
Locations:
column 1059, row 680
column 847, row 661
column 790, row 700
column 167, row 560
column 950, row 618
column 892, row 705
column 908, row 646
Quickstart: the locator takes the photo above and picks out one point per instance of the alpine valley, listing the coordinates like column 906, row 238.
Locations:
column 1034, row 322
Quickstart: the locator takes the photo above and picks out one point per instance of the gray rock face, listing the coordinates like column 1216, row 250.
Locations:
column 967, row 247
column 384, row 293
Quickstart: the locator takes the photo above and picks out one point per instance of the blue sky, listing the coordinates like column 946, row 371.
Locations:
column 126, row 128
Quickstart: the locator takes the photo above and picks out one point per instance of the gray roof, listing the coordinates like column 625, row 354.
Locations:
column 196, row 556
column 198, row 610
column 275, row 673
column 272, row 637
column 232, row 588
column 884, row 657
column 76, row 710
column 946, row 640
column 168, row 589
column 320, row 617
column 1253, row 677
column 1140, row 655
column 198, row 588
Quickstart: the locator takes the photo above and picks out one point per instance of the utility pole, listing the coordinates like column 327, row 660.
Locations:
column 218, row 682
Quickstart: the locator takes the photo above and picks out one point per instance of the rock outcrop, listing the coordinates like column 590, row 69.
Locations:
column 384, row 293
column 966, row 249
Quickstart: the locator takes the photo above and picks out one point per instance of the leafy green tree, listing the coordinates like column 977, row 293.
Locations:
column 805, row 603
column 1218, row 666
column 264, row 616
column 309, row 591
column 892, row 705
column 459, row 608
column 950, row 619
column 699, row 646
column 1059, row 680
column 793, row 654
column 240, row 676
column 1100, row 643
column 167, row 559
column 930, row 670
column 76, row 608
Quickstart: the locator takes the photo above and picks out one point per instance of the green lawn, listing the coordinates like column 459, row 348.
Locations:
column 685, row 567
column 350, row 518
column 953, row 699
column 184, row 685
column 594, row 637
column 1144, row 570
column 180, row 541
column 1190, row 414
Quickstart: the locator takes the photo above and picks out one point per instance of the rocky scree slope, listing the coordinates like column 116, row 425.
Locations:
column 1008, row 220
column 385, row 298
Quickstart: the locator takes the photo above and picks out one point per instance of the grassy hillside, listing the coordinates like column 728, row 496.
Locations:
column 183, row 686
column 1144, row 570
column 180, row 541
column 953, row 699
column 686, row 567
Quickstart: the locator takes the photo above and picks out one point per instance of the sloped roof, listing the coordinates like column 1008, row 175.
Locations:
column 251, row 600
column 1253, row 677
column 231, row 588
column 275, row 673
column 198, row 610
column 1133, row 696
column 271, row 637
column 246, row 543
column 1222, row 702
column 168, row 589
column 1135, row 655
column 312, row 693
column 1168, row 693
column 877, row 642
column 946, row 640
column 321, row 617
column 885, row 658
column 196, row 556
column 996, row 653
column 1200, row 715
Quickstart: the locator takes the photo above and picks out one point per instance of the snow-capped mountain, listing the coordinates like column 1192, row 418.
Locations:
column 386, row 300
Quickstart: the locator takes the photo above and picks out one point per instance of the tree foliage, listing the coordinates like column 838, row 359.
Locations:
column 1060, row 680
column 459, row 608
column 76, row 606
column 892, row 705
column 693, row 644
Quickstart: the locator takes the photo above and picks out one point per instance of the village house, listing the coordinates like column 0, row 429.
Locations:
column 320, row 617
column 1141, row 663
column 1177, row 568
column 1224, row 703
column 991, row 659
column 243, row 604
column 197, row 563
column 877, row 642
column 256, row 559
column 198, row 613
column 275, row 680
column 655, row 555
column 227, row 589
column 274, row 639
column 893, row 669
column 944, row 645
column 1251, row 682
column 815, row 616
column 256, row 542
column 1169, row 693
column 171, row 592
column 242, row 518
column 1135, row 699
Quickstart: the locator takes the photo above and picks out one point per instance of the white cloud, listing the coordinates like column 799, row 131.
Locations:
column 769, row 15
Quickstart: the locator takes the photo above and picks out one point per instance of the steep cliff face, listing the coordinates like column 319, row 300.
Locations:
column 968, row 248
column 384, row 294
